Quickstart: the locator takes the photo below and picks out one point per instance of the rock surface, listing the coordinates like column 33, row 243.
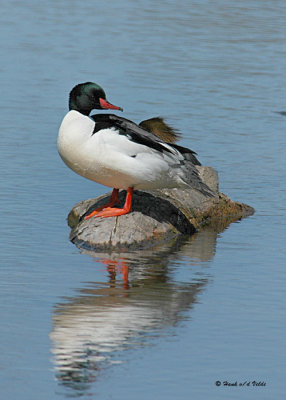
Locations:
column 156, row 216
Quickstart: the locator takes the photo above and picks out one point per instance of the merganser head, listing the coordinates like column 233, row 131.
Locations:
column 88, row 96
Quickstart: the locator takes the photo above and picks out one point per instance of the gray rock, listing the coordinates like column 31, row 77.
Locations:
column 156, row 216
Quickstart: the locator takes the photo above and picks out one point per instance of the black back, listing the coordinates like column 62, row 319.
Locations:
column 139, row 135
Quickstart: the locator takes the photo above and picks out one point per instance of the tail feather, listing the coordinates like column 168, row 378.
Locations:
column 190, row 175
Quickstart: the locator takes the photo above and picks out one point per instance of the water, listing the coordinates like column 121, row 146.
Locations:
column 197, row 311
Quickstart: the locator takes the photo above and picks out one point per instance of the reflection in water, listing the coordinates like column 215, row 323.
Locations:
column 92, row 329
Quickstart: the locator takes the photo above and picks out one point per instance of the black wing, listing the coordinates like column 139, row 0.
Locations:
column 140, row 135
column 132, row 131
column 188, row 154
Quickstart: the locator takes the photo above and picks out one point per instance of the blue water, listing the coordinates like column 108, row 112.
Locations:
column 207, row 309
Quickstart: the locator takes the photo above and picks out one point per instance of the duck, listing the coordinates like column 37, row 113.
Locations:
column 116, row 152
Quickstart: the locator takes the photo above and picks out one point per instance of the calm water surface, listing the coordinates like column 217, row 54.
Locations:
column 194, row 311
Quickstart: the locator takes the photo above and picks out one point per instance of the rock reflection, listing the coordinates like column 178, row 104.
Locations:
column 141, row 299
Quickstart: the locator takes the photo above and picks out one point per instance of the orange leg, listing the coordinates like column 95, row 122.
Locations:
column 112, row 201
column 125, row 274
column 113, row 267
column 114, row 212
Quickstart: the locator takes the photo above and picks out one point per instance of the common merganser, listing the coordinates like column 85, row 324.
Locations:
column 118, row 153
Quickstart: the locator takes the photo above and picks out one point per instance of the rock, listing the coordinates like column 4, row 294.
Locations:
column 156, row 215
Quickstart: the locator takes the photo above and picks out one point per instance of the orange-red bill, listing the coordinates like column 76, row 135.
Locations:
column 106, row 105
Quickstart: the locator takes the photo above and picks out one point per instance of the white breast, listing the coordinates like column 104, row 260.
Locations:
column 76, row 145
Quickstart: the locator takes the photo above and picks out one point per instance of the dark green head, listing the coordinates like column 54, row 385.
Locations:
column 85, row 97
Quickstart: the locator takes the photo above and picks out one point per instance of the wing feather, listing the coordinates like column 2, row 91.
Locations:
column 134, row 132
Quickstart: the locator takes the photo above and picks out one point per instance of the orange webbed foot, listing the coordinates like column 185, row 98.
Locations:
column 114, row 199
column 115, row 212
column 111, row 212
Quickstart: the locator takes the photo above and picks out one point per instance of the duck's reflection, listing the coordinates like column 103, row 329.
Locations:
column 147, row 294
